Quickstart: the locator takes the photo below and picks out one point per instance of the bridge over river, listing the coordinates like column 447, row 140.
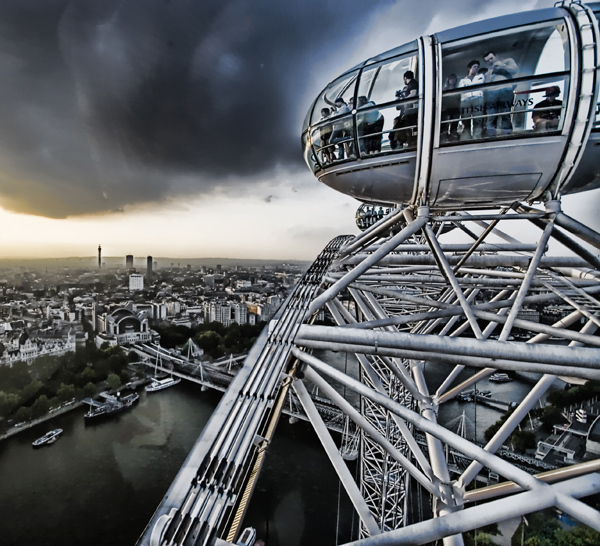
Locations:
column 218, row 374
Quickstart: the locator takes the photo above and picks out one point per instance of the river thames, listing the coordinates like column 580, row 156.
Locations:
column 99, row 485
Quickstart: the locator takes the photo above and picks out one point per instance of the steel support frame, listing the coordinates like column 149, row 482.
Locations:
column 395, row 319
column 383, row 477
column 406, row 299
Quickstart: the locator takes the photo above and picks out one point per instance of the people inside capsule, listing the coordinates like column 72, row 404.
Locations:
column 483, row 72
column 546, row 114
column 367, row 215
column 327, row 149
column 342, row 129
column 499, row 101
column 471, row 103
column 369, row 126
column 450, row 111
column 405, row 123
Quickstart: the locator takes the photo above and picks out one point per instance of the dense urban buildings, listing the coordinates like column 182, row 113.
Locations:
column 51, row 312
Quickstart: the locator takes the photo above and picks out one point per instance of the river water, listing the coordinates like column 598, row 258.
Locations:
column 99, row 485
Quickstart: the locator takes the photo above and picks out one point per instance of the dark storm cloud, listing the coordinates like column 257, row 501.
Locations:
column 116, row 102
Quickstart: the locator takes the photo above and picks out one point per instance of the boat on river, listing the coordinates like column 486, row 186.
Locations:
column 48, row 438
column 500, row 378
column 160, row 384
column 112, row 406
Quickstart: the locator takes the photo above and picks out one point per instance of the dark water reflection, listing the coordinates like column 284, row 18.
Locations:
column 99, row 485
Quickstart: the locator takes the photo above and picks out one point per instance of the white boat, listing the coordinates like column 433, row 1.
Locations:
column 160, row 384
column 466, row 396
column 248, row 537
column 500, row 378
column 48, row 438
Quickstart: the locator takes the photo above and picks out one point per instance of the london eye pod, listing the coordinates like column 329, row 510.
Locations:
column 481, row 115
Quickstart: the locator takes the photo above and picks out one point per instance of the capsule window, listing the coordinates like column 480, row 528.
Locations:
column 383, row 82
column 387, row 106
column 342, row 90
column 505, row 84
column 597, row 121
column 309, row 154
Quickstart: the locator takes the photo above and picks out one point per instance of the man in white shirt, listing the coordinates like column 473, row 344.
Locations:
column 471, row 103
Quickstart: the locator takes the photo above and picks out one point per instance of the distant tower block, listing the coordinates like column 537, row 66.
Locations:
column 129, row 261
column 136, row 282
column 99, row 257
column 149, row 268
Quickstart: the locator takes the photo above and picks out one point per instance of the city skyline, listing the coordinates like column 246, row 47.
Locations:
column 177, row 133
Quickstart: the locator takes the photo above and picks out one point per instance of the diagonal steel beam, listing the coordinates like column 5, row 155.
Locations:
column 515, row 418
column 428, row 482
column 472, row 518
column 449, row 274
column 368, row 262
column 336, row 459
column 571, row 506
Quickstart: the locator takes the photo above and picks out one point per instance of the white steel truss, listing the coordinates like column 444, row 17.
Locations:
column 457, row 292
column 431, row 305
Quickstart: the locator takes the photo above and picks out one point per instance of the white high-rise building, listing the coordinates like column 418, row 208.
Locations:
column 219, row 312
column 136, row 281
column 240, row 312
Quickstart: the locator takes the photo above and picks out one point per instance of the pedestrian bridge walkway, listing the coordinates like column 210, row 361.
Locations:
column 217, row 375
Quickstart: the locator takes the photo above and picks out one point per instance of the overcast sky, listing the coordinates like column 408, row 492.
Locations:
column 172, row 127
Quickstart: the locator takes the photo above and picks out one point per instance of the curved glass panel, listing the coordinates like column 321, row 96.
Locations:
column 333, row 139
column 533, row 50
column 308, row 153
column 507, row 83
column 391, row 128
column 597, row 120
column 308, row 116
column 342, row 88
column 499, row 23
column 337, row 125
column 396, row 52
column 381, row 83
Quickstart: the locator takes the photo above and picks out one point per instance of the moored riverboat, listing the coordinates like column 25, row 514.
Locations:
column 164, row 383
column 500, row 378
column 112, row 406
column 48, row 438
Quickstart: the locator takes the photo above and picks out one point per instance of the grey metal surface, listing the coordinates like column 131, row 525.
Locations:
column 401, row 321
